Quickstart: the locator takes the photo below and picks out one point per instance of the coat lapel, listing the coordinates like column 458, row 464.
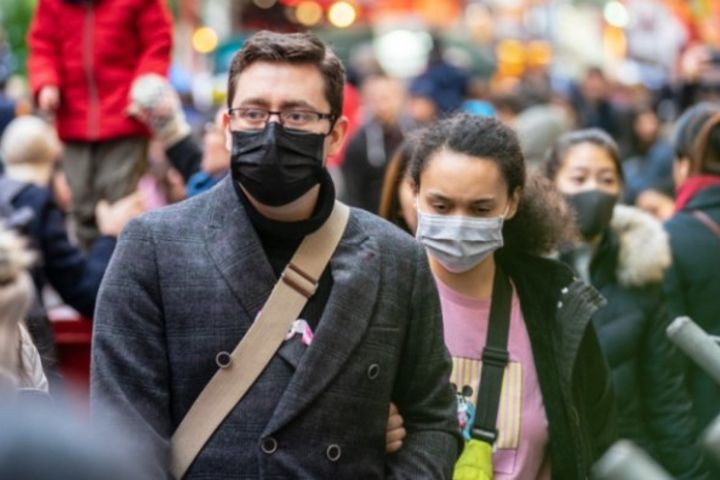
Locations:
column 355, row 269
column 236, row 250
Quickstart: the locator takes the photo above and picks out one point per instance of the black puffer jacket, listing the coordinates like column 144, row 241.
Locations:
column 572, row 373
column 654, row 408
column 693, row 289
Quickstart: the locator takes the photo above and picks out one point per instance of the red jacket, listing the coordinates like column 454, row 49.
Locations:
column 93, row 51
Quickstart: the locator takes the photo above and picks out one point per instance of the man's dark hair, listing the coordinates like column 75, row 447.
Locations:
column 556, row 155
column 294, row 48
column 542, row 221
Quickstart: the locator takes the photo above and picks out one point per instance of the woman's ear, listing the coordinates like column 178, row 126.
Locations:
column 681, row 171
column 514, row 203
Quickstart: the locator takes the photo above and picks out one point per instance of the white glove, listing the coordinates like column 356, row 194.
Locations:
column 154, row 102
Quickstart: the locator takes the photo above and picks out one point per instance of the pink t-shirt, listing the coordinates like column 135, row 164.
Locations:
column 521, row 450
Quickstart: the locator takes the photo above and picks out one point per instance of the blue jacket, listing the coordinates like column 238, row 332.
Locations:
column 73, row 274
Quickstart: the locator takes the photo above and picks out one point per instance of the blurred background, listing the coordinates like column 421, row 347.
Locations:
column 544, row 67
column 637, row 43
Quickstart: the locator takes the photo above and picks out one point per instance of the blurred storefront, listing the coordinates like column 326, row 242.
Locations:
column 502, row 37
column 633, row 40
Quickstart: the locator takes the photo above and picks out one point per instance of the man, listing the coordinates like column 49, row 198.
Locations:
column 186, row 283
column 369, row 150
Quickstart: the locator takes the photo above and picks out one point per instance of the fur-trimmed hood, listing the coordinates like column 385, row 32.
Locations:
column 644, row 247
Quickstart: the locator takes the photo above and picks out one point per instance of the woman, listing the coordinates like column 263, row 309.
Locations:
column 481, row 224
column 397, row 203
column 20, row 365
column 649, row 166
column 624, row 253
column 692, row 283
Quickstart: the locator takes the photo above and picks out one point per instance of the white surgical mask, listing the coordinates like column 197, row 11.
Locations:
column 459, row 243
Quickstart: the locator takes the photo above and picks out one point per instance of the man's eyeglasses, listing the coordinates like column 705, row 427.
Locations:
column 255, row 117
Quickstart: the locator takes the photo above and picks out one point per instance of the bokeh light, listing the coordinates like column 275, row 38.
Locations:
column 403, row 53
column 204, row 40
column 342, row 14
column 309, row 13
column 616, row 14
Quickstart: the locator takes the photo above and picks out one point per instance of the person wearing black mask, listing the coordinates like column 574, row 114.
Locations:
column 189, row 281
column 623, row 252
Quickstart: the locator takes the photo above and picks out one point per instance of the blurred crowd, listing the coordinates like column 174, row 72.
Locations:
column 638, row 171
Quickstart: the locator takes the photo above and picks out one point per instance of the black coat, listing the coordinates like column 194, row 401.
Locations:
column 573, row 375
column 692, row 287
column 366, row 159
column 654, row 408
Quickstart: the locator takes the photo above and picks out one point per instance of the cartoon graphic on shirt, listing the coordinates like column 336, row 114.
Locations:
column 465, row 410
column 466, row 372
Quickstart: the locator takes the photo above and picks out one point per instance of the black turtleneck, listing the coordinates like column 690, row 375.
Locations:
column 280, row 240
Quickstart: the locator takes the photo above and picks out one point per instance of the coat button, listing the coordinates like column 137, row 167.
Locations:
column 333, row 452
column 373, row 371
column 560, row 305
column 269, row 445
column 564, row 291
column 223, row 359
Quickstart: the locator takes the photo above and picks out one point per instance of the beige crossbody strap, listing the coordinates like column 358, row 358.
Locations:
column 230, row 383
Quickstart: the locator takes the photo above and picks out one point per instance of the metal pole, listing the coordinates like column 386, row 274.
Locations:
column 626, row 461
column 696, row 344
column 711, row 439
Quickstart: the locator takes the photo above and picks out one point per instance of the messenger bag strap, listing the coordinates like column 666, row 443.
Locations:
column 227, row 387
column 495, row 357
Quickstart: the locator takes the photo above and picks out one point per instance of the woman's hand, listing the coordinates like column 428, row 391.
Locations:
column 395, row 433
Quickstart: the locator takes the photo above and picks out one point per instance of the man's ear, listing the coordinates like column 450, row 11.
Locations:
column 226, row 128
column 337, row 136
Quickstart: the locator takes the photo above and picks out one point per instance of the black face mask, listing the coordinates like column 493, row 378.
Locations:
column 593, row 211
column 276, row 165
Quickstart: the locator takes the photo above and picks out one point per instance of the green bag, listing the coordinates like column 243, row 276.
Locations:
column 475, row 463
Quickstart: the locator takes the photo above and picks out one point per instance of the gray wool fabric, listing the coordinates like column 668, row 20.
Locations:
column 186, row 282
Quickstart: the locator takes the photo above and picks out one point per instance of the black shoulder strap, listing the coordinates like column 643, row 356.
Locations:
column 495, row 358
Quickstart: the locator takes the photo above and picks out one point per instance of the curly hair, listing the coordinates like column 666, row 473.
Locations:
column 542, row 222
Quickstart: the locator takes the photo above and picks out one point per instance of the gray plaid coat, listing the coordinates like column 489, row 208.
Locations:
column 185, row 283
